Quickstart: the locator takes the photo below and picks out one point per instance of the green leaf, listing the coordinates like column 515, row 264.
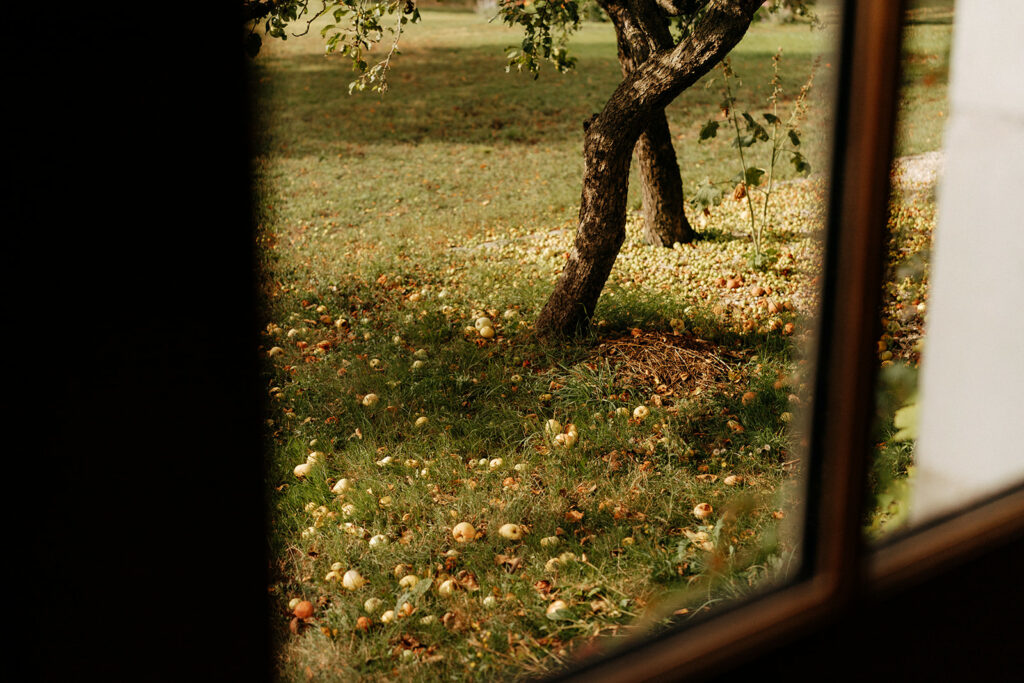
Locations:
column 560, row 614
column 709, row 130
column 753, row 176
column 800, row 164
column 905, row 420
column 252, row 44
column 744, row 141
column 755, row 128
column 707, row 195
column 421, row 587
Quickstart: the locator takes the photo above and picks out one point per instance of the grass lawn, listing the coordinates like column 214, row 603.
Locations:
column 390, row 226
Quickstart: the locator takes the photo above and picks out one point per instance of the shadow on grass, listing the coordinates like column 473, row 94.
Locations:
column 464, row 96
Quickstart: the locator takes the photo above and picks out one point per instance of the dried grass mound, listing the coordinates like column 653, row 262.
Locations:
column 671, row 364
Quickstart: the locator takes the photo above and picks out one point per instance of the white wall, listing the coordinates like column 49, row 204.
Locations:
column 972, row 374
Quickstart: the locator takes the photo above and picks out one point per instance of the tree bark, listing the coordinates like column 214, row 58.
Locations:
column 665, row 221
column 608, row 144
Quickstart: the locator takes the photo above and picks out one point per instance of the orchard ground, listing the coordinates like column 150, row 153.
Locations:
column 389, row 226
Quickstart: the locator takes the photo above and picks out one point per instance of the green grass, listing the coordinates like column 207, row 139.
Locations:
column 456, row 131
column 454, row 197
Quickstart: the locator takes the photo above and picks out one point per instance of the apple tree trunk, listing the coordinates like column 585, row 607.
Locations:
column 665, row 221
column 609, row 140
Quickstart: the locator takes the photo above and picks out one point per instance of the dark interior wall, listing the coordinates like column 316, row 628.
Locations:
column 132, row 343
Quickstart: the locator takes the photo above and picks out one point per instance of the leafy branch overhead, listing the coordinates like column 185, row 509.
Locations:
column 360, row 25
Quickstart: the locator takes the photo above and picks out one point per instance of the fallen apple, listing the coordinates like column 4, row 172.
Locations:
column 302, row 469
column 464, row 532
column 353, row 580
column 408, row 581
column 341, row 486
column 554, row 608
column 702, row 511
column 641, row 412
column 303, row 610
column 513, row 532
column 370, row 400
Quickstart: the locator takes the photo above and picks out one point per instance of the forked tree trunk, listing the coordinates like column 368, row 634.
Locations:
column 608, row 146
column 661, row 185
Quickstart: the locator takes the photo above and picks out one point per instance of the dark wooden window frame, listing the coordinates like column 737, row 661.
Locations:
column 839, row 570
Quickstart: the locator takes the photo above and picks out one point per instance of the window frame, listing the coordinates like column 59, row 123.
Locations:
column 839, row 568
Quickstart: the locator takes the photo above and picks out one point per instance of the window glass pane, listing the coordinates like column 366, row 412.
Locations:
column 445, row 488
column 954, row 265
